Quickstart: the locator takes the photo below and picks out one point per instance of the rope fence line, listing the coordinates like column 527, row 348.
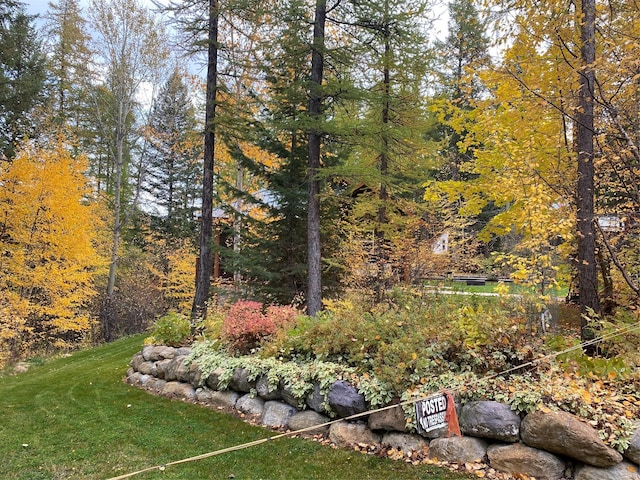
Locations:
column 616, row 333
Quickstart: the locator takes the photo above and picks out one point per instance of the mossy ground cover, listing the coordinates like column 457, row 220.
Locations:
column 74, row 418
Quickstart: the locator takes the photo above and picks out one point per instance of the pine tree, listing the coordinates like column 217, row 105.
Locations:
column 22, row 76
column 70, row 65
column 173, row 171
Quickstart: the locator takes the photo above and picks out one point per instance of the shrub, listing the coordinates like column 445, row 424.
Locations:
column 245, row 326
column 172, row 329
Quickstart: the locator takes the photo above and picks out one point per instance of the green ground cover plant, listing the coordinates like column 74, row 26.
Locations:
column 74, row 418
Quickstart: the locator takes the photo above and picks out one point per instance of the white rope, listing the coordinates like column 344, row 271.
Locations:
column 616, row 333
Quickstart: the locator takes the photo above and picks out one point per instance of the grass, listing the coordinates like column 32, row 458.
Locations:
column 490, row 287
column 74, row 418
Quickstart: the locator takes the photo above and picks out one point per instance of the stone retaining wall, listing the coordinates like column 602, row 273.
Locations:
column 547, row 445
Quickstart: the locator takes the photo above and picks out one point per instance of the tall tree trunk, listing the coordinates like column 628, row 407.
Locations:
column 314, row 253
column 383, row 166
column 586, row 265
column 203, row 272
column 106, row 314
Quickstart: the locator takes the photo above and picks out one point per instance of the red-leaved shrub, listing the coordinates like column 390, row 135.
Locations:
column 245, row 324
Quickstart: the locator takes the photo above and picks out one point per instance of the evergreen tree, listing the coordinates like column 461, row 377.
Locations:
column 22, row 76
column 385, row 167
column 70, row 62
column 174, row 167
column 273, row 253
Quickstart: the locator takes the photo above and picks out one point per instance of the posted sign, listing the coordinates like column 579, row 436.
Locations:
column 431, row 413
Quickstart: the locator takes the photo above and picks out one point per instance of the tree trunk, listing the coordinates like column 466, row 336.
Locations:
column 314, row 253
column 586, row 265
column 383, row 167
column 203, row 274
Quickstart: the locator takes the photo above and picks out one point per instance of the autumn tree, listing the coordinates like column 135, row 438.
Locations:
column 48, row 229
column 386, row 161
column 130, row 42
column 22, row 76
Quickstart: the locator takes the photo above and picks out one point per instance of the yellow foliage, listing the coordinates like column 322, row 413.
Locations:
column 47, row 231
column 179, row 278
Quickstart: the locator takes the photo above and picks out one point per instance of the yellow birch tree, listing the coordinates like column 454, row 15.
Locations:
column 48, row 259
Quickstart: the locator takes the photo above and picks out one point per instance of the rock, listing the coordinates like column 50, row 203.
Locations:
column 316, row 399
column 240, row 381
column 147, row 368
column 136, row 361
column 437, row 432
column 161, row 368
column 154, row 353
column 490, row 420
column 277, row 414
column 290, row 398
column 175, row 370
column 308, row 419
column 183, row 351
column 522, row 460
column 195, row 375
column 134, row 378
column 179, row 390
column 215, row 398
column 406, row 442
column 633, row 451
column 213, row 379
column 621, row 471
column 139, row 379
column 344, row 434
column 250, row 405
column 566, row 434
column 458, row 449
column 392, row 419
column 262, row 387
column 345, row 399
column 155, row 384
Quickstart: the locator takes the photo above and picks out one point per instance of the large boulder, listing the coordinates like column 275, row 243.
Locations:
column 195, row 375
column 345, row 400
column 316, row 399
column 161, row 368
column 344, row 434
column 213, row 379
column 391, row 419
column 155, row 385
column 240, row 381
column 518, row 459
column 277, row 414
column 179, row 390
column 289, row 397
column 405, row 442
column 224, row 399
column 458, row 449
column 265, row 391
column 566, row 434
column 175, row 370
column 488, row 419
column 148, row 368
column 310, row 421
column 250, row 405
column 136, row 361
column 621, row 471
column 633, row 451
column 154, row 353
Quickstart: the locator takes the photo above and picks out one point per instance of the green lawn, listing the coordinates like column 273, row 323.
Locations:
column 490, row 287
column 73, row 418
